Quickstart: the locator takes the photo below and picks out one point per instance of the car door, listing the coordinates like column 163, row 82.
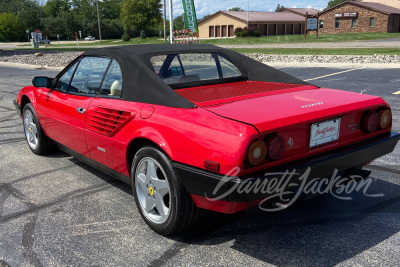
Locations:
column 105, row 131
column 64, row 108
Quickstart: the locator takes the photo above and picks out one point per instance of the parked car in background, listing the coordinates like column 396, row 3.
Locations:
column 44, row 41
column 175, row 122
column 90, row 38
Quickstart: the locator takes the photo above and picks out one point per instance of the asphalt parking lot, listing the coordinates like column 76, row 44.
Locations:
column 57, row 211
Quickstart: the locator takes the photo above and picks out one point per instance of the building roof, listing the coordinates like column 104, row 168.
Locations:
column 260, row 17
column 369, row 5
column 302, row 11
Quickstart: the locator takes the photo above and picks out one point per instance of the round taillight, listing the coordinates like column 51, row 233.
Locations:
column 256, row 153
column 370, row 122
column 385, row 118
column 275, row 147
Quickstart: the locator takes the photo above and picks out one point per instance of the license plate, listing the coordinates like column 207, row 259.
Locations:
column 324, row 132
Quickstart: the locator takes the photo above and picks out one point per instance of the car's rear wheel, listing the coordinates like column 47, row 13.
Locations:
column 160, row 195
column 38, row 142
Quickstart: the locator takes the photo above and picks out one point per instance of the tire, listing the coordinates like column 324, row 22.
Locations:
column 37, row 140
column 178, row 209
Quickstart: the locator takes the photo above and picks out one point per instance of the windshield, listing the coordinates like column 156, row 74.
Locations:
column 196, row 67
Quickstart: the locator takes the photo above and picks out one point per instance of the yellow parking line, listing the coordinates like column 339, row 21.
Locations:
column 331, row 74
column 397, row 93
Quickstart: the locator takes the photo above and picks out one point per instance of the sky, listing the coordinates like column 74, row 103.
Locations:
column 205, row 7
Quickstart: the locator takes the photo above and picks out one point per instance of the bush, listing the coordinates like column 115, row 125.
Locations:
column 125, row 37
column 256, row 33
column 242, row 34
column 237, row 30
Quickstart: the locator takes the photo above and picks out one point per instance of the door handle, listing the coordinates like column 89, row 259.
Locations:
column 81, row 110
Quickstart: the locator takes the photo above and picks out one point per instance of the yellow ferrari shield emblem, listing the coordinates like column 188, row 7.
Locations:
column 151, row 190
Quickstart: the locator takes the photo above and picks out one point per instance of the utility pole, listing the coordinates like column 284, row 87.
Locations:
column 98, row 20
column 171, row 23
column 165, row 21
column 248, row 8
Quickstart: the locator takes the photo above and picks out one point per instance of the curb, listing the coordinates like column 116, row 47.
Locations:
column 28, row 66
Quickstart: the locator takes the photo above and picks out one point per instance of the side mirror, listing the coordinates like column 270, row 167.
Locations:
column 42, row 82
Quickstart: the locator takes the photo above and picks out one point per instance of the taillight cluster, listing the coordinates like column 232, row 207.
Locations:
column 271, row 148
column 372, row 121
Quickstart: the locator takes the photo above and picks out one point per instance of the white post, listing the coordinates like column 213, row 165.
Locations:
column 171, row 23
column 165, row 21
column 248, row 8
column 98, row 20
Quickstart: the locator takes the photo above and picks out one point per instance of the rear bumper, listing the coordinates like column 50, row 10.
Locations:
column 18, row 108
column 203, row 184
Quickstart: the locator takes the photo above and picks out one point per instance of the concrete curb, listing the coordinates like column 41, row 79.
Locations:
column 28, row 66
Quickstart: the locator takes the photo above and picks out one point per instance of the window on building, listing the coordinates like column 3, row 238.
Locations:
column 321, row 24
column 353, row 23
column 371, row 22
column 337, row 24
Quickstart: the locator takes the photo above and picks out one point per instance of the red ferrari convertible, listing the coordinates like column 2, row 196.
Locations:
column 188, row 126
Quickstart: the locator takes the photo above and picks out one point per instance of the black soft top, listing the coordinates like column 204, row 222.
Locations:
column 142, row 84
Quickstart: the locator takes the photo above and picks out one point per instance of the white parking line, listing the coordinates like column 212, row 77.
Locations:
column 331, row 74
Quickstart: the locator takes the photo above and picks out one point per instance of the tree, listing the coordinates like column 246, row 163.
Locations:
column 279, row 7
column 140, row 15
column 179, row 23
column 10, row 27
column 30, row 15
column 54, row 7
column 333, row 3
column 236, row 8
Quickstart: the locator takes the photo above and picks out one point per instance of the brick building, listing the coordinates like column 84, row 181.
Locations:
column 354, row 16
column 224, row 23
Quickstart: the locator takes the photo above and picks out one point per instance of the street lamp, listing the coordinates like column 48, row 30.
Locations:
column 98, row 20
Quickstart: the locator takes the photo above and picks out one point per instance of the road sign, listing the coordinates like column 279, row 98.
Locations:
column 27, row 31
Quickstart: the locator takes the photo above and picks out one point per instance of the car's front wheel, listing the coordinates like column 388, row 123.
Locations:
column 160, row 195
column 38, row 142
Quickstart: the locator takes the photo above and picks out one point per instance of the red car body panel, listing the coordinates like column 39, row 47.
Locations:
column 62, row 122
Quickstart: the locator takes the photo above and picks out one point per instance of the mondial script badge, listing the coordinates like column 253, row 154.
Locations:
column 290, row 143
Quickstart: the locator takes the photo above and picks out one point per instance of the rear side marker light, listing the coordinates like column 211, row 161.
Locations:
column 370, row 121
column 256, row 153
column 275, row 147
column 385, row 118
column 211, row 165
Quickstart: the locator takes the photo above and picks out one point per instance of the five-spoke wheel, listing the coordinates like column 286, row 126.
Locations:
column 160, row 194
column 36, row 138
column 152, row 189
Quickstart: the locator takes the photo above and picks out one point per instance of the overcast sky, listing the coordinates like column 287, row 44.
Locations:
column 205, row 7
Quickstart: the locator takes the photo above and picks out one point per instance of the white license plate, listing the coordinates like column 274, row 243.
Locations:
column 324, row 132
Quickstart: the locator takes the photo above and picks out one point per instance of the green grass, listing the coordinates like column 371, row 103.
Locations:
column 345, row 37
column 320, row 51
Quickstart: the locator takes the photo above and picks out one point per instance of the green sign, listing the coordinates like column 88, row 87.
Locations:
column 27, row 31
column 190, row 16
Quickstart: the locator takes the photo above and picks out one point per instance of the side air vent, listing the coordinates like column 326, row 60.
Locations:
column 107, row 121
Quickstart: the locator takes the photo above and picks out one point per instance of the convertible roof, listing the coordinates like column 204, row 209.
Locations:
column 142, row 84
